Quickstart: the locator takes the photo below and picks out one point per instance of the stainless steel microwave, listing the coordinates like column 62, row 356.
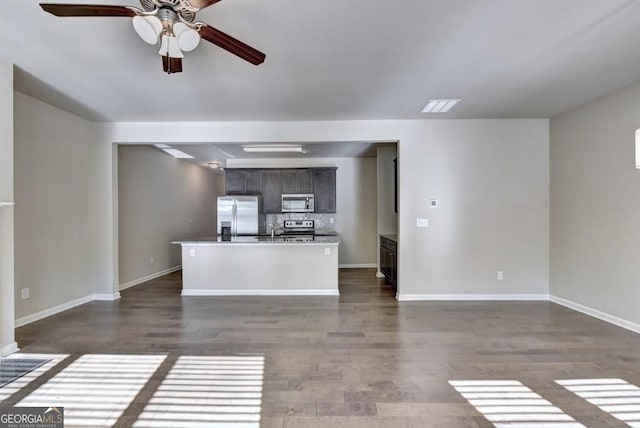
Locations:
column 297, row 203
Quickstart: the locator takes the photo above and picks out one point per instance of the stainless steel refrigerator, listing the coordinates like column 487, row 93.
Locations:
column 242, row 213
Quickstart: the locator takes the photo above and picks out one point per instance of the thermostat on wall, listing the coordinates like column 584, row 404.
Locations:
column 433, row 203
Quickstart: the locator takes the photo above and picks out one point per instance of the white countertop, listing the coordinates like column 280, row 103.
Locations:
column 257, row 240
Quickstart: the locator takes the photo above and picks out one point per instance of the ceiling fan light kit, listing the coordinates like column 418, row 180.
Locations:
column 148, row 28
column 172, row 22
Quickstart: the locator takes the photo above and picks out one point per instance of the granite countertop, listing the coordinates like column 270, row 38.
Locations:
column 392, row 237
column 258, row 240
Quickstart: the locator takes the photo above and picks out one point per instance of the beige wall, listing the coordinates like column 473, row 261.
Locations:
column 355, row 202
column 62, row 220
column 7, row 343
column 161, row 199
column 595, row 205
column 491, row 180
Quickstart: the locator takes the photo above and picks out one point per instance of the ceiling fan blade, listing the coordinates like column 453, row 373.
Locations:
column 232, row 45
column 171, row 65
column 201, row 4
column 86, row 10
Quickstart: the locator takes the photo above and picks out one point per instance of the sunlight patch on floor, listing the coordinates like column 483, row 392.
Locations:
column 508, row 403
column 95, row 389
column 208, row 392
column 15, row 386
column 617, row 397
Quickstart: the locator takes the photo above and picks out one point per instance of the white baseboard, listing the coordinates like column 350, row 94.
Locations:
column 596, row 314
column 149, row 277
column 20, row 322
column 52, row 311
column 9, row 349
column 471, row 297
column 106, row 297
column 379, row 274
column 297, row 292
column 358, row 266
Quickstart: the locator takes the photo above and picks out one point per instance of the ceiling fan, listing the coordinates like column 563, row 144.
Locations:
column 172, row 22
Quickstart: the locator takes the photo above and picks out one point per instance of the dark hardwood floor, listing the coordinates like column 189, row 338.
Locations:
column 360, row 360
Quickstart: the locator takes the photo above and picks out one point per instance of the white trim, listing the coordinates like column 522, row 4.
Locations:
column 106, row 297
column 9, row 349
column 241, row 292
column 358, row 266
column 52, row 311
column 471, row 297
column 148, row 278
column 6, row 204
column 596, row 314
column 379, row 274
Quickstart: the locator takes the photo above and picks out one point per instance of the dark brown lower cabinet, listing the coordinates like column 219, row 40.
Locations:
column 389, row 261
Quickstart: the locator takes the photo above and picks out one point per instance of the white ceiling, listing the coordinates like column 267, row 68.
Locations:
column 334, row 59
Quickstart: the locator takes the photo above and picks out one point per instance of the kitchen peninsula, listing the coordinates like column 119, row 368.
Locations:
column 260, row 266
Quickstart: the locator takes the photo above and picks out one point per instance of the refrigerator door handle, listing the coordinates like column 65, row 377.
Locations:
column 234, row 219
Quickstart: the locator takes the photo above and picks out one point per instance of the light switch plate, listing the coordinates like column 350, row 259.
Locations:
column 192, row 252
column 327, row 251
column 422, row 222
column 25, row 293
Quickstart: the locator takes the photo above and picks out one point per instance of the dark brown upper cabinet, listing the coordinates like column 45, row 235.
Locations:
column 324, row 188
column 243, row 181
column 271, row 191
column 297, row 181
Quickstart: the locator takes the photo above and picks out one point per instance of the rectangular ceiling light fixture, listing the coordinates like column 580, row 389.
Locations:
column 439, row 106
column 178, row 154
column 273, row 149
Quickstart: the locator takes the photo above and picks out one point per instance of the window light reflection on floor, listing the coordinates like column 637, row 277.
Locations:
column 617, row 397
column 95, row 389
column 508, row 403
column 16, row 385
column 208, row 392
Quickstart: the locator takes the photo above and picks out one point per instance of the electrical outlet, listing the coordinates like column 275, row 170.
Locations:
column 152, row 261
column 327, row 251
column 422, row 222
column 331, row 220
column 192, row 252
column 500, row 275
column 25, row 293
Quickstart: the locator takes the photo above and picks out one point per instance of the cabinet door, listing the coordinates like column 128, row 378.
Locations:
column 305, row 181
column 394, row 269
column 324, row 185
column 383, row 259
column 290, row 181
column 296, row 181
column 234, row 182
column 253, row 182
column 271, row 192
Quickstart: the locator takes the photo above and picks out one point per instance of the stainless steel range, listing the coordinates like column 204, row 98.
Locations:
column 299, row 227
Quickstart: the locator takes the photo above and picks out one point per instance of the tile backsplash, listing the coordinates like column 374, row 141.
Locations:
column 323, row 222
